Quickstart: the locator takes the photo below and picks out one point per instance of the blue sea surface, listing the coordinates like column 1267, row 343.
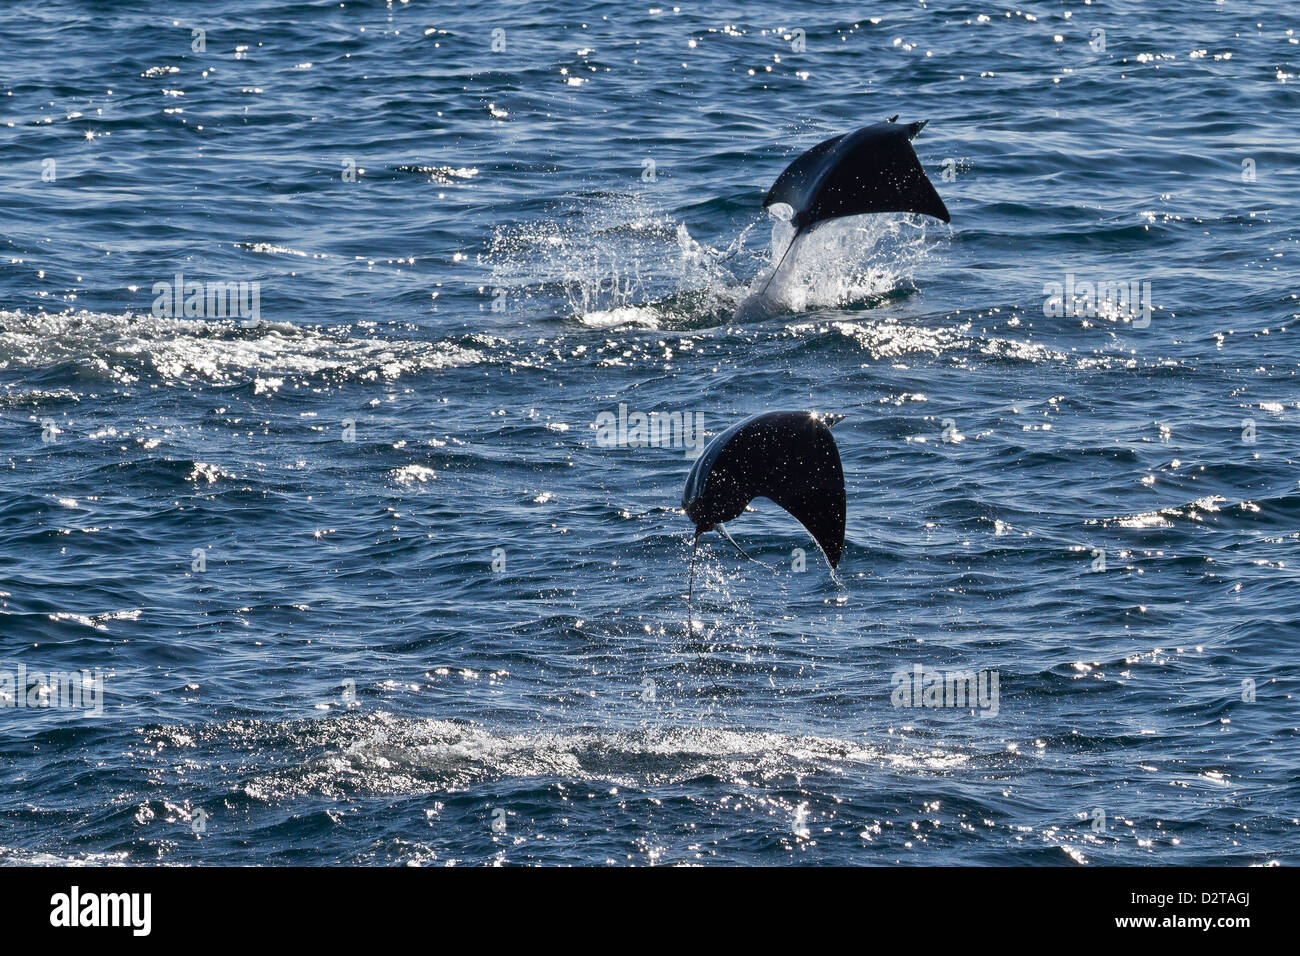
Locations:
column 356, row 582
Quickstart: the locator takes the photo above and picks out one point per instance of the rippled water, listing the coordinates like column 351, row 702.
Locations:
column 360, row 585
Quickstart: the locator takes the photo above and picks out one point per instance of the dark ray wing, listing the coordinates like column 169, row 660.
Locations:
column 877, row 174
column 813, row 492
column 794, row 186
column 873, row 169
column 822, row 512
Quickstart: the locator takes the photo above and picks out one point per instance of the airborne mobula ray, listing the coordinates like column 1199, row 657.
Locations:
column 789, row 457
column 870, row 170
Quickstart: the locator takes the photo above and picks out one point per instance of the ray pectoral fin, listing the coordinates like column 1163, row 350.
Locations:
column 795, row 184
column 871, row 170
column 822, row 512
column 923, row 198
column 881, row 176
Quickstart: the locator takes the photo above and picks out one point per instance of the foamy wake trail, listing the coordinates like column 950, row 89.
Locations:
column 384, row 753
column 616, row 262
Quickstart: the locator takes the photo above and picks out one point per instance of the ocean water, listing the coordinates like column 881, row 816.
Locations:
column 355, row 581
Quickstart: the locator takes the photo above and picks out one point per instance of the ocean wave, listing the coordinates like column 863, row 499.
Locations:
column 128, row 348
